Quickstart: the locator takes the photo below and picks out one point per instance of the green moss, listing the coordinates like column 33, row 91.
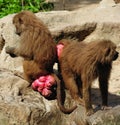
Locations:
column 14, row 6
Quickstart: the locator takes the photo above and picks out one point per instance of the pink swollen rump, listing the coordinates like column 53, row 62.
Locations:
column 37, row 84
column 43, row 85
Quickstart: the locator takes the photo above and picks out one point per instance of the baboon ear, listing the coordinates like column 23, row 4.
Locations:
column 107, row 51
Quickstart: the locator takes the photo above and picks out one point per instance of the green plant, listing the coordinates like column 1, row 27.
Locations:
column 14, row 6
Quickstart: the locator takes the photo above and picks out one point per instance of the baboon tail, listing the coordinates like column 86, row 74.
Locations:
column 61, row 97
column 65, row 110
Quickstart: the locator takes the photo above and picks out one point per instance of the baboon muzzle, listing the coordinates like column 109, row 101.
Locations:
column 115, row 56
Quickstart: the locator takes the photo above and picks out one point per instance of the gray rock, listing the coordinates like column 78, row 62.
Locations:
column 110, row 117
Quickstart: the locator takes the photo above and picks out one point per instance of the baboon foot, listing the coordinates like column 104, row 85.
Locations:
column 89, row 112
column 106, row 107
column 81, row 102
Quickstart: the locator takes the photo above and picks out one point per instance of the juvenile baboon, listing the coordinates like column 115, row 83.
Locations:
column 87, row 62
column 37, row 48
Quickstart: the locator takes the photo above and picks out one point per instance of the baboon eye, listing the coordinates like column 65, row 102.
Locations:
column 20, row 21
column 107, row 52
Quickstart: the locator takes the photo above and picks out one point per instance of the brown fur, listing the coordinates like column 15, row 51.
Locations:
column 87, row 62
column 65, row 42
column 37, row 48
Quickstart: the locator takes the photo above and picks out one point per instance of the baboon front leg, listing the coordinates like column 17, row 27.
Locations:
column 71, row 85
column 103, row 83
column 104, row 91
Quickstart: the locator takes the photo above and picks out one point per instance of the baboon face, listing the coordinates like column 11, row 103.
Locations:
column 111, row 54
column 115, row 56
column 107, row 52
column 23, row 20
column 19, row 25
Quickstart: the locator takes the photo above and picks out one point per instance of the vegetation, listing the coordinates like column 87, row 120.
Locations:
column 14, row 6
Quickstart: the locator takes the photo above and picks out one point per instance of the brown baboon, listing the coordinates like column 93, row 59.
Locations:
column 37, row 48
column 87, row 62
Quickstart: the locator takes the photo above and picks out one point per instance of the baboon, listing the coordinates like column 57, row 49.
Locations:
column 87, row 61
column 37, row 48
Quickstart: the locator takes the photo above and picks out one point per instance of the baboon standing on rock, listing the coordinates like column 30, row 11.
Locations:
column 87, row 62
column 38, row 50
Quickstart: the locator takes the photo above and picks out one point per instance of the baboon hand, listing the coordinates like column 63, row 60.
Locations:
column 89, row 112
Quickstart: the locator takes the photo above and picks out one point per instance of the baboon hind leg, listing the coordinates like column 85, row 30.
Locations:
column 87, row 96
column 70, row 84
column 79, row 83
column 32, row 71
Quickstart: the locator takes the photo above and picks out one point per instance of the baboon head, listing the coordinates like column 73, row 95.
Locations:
column 106, row 51
column 23, row 20
column 110, row 51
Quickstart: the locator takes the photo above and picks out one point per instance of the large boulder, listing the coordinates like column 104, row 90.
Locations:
column 71, row 4
column 20, row 105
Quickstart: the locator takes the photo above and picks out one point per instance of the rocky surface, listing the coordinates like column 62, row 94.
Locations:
column 20, row 105
column 72, row 4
